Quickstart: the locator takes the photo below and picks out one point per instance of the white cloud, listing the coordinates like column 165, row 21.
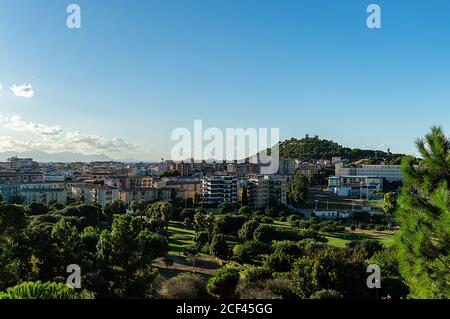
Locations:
column 16, row 123
column 55, row 139
column 25, row 90
column 9, row 143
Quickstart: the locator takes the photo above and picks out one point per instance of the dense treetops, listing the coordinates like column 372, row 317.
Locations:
column 315, row 148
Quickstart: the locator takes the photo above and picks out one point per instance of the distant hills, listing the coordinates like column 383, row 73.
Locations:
column 314, row 148
column 55, row 157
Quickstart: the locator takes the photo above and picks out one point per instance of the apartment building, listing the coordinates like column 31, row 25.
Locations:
column 258, row 192
column 138, row 194
column 16, row 163
column 100, row 194
column 217, row 189
column 44, row 193
column 263, row 191
column 15, row 177
column 286, row 166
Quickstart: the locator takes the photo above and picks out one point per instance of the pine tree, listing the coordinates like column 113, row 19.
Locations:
column 424, row 218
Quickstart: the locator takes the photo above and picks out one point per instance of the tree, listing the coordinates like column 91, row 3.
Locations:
column 424, row 218
column 297, row 189
column 191, row 254
column 250, row 250
column 37, row 209
column 114, row 208
column 90, row 212
column 265, row 233
column 392, row 283
column 389, row 203
column 244, row 200
column 161, row 210
column 169, row 173
column 125, row 256
column 46, row 290
column 329, row 269
column 66, row 248
column 168, row 261
column 187, row 213
column 245, row 211
column 13, row 249
column 229, row 224
column 138, row 207
column 205, row 222
column 223, row 283
column 219, row 247
column 225, row 208
column 200, row 239
column 247, row 230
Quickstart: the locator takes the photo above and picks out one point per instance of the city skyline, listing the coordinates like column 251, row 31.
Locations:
column 119, row 89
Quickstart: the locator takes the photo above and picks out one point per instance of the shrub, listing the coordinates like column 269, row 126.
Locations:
column 184, row 286
column 267, row 220
column 223, row 283
column 219, row 247
column 293, row 218
column 250, row 250
column 46, row 290
column 255, row 274
column 247, row 230
column 326, row 294
column 230, row 224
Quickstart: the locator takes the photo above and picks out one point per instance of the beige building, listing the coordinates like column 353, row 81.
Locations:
column 138, row 194
column 94, row 193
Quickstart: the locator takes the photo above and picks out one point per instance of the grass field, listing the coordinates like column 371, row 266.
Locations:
column 340, row 239
column 179, row 237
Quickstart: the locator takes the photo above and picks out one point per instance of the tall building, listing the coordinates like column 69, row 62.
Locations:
column 258, row 192
column 218, row 189
column 286, row 166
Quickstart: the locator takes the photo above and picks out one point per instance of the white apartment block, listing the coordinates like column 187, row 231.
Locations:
column 392, row 173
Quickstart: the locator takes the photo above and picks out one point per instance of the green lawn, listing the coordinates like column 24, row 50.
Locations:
column 340, row 239
column 179, row 237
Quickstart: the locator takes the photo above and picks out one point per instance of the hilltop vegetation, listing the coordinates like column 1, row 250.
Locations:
column 315, row 148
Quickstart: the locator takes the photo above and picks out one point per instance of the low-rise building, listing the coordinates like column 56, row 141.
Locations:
column 345, row 186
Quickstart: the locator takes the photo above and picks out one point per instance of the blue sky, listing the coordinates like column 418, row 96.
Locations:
column 136, row 70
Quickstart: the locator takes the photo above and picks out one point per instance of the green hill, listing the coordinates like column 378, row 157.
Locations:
column 315, row 148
